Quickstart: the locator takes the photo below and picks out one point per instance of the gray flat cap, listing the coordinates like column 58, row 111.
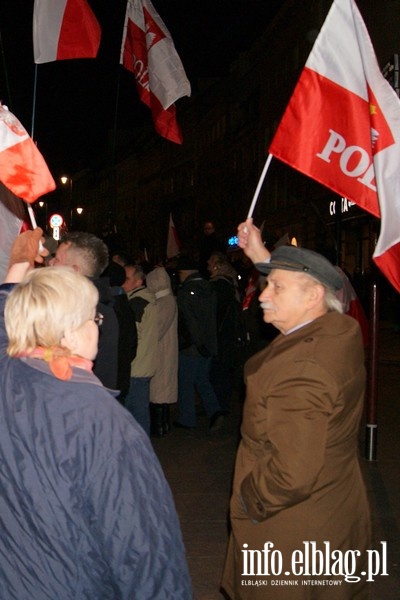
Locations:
column 291, row 258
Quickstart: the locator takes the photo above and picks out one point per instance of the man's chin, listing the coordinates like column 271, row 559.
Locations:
column 268, row 315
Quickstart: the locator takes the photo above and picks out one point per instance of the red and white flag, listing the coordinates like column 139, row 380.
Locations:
column 173, row 243
column 342, row 127
column 23, row 169
column 148, row 51
column 64, row 29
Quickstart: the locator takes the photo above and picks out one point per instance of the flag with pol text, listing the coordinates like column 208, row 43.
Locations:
column 342, row 127
column 148, row 51
column 64, row 29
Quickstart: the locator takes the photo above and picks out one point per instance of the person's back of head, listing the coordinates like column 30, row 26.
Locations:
column 90, row 252
column 44, row 305
column 135, row 278
column 115, row 273
column 158, row 280
column 121, row 258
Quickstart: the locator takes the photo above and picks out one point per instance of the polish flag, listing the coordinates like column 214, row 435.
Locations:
column 22, row 167
column 64, row 29
column 148, row 51
column 173, row 243
column 342, row 127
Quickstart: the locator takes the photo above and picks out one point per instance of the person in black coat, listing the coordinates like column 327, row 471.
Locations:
column 230, row 330
column 88, row 255
column 127, row 339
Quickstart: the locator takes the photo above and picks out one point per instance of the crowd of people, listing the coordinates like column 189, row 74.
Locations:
column 169, row 335
column 94, row 349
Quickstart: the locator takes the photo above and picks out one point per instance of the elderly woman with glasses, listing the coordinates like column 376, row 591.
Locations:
column 85, row 509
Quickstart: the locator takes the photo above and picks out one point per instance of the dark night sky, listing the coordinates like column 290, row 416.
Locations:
column 75, row 100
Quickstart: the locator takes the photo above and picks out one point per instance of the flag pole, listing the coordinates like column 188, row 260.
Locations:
column 32, row 216
column 259, row 185
column 34, row 102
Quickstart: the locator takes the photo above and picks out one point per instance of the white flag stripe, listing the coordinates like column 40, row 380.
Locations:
column 9, row 137
column 335, row 47
column 342, row 127
column 173, row 248
column 47, row 16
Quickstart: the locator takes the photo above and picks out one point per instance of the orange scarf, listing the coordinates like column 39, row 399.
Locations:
column 60, row 362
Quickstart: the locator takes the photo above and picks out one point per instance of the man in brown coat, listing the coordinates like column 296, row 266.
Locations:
column 299, row 511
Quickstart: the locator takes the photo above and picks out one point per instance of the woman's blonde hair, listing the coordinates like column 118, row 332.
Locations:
column 44, row 305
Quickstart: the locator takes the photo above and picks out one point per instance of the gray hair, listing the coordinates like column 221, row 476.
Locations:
column 332, row 302
column 90, row 252
column 46, row 303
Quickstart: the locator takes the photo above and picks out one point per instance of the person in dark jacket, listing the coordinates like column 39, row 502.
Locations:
column 85, row 508
column 230, row 334
column 197, row 341
column 88, row 255
column 127, row 339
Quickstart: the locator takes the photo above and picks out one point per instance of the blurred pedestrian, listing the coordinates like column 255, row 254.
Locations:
column 230, row 330
column 197, row 338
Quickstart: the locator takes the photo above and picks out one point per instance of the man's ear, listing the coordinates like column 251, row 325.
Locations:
column 70, row 340
column 315, row 295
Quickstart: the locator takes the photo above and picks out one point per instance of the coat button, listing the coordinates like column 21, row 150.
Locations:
column 308, row 340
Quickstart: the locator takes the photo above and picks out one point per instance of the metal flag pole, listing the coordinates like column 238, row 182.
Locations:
column 259, row 185
column 372, row 413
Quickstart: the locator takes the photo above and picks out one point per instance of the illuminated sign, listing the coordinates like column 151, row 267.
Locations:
column 233, row 241
column 56, row 221
column 345, row 206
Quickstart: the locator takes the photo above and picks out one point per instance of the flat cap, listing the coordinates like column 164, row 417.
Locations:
column 291, row 258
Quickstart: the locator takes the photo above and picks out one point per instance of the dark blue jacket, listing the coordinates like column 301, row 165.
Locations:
column 85, row 511
column 197, row 322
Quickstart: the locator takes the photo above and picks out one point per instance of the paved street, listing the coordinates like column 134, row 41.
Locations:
column 198, row 466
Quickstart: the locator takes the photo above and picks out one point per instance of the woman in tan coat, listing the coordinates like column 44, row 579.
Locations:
column 299, row 511
column 164, row 384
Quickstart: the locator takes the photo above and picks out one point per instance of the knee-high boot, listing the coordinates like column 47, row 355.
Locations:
column 157, row 425
column 166, row 424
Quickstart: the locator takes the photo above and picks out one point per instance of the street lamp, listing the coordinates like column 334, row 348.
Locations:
column 43, row 205
column 64, row 180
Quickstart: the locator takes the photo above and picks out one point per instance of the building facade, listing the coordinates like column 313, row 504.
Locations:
column 227, row 126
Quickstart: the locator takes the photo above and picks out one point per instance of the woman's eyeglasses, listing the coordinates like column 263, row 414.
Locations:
column 98, row 319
